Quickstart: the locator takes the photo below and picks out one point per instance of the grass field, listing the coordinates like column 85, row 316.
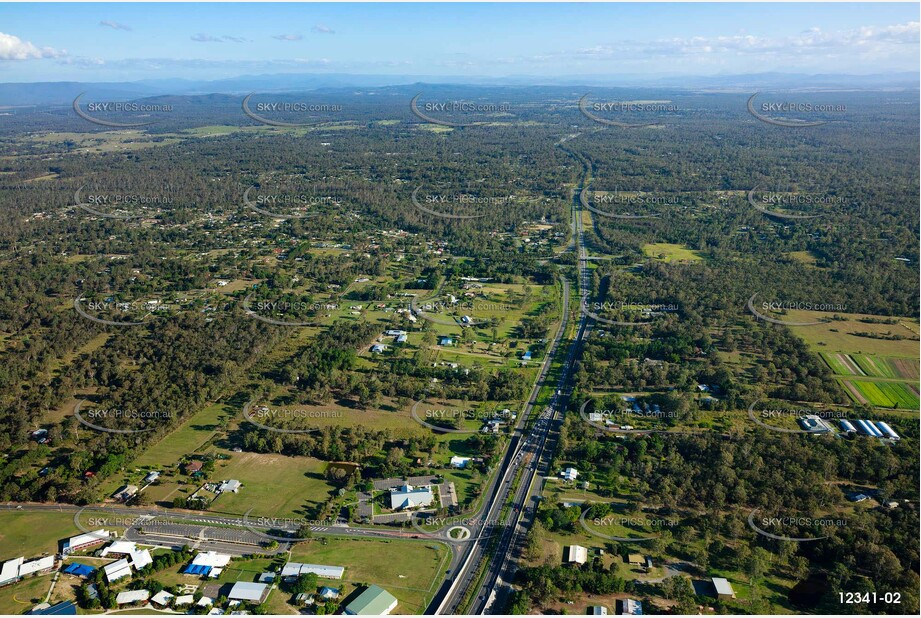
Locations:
column 273, row 485
column 18, row 532
column 839, row 335
column 667, row 252
column 189, row 438
column 22, row 596
column 409, row 570
column 883, row 394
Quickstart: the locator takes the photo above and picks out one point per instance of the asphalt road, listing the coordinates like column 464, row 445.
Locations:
column 534, row 451
column 492, row 598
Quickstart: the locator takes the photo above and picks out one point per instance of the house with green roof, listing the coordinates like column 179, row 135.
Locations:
column 374, row 601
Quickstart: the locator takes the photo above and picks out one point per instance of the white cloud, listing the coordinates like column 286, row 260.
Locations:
column 288, row 37
column 208, row 38
column 115, row 25
column 321, row 29
column 14, row 48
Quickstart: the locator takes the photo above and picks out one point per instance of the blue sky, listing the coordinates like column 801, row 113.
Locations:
column 114, row 42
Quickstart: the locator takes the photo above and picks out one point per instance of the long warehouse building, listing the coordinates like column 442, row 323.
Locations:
column 847, row 426
column 886, row 429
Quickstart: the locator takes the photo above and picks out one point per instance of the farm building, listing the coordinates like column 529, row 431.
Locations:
column 153, row 476
column 846, row 426
column 597, row 610
column 36, row 566
column 887, row 430
column 570, row 474
column 459, row 462
column 9, row 572
column 140, row 559
column 869, row 429
column 374, row 601
column 813, row 424
column 636, row 559
column 329, row 593
column 14, row 570
column 445, row 341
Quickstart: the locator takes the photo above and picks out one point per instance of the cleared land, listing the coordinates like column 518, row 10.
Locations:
column 409, row 570
column 668, row 252
column 18, row 532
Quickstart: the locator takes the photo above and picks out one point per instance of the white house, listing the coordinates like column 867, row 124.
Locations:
column 231, row 485
column 570, row 474
column 576, row 554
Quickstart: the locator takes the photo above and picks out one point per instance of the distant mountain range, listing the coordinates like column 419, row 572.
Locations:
column 61, row 93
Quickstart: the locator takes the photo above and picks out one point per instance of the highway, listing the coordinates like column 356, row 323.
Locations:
column 492, row 598
column 531, row 455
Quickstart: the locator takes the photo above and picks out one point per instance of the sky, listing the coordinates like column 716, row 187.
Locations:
column 126, row 42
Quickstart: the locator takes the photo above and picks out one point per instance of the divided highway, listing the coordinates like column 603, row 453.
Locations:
column 530, row 455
